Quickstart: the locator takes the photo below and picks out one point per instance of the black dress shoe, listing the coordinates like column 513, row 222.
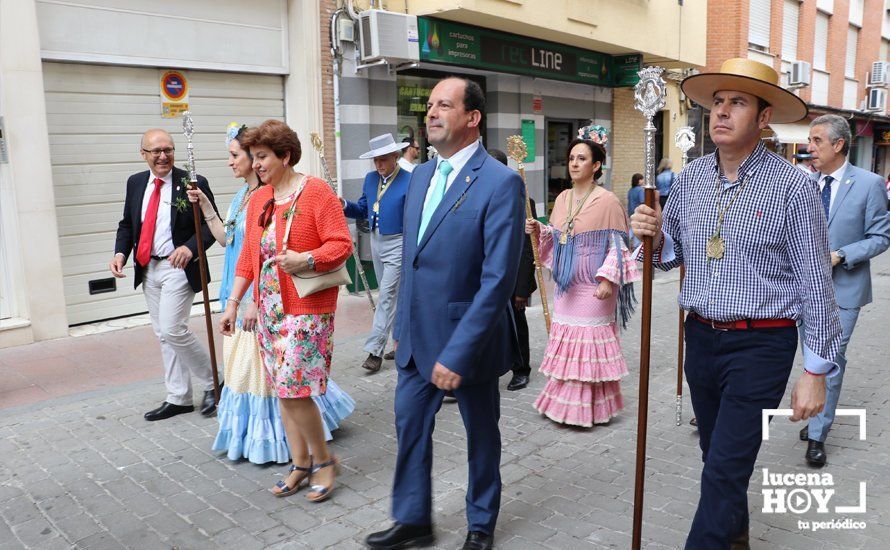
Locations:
column 816, row 454
column 805, row 433
column 477, row 540
column 167, row 410
column 401, row 535
column 518, row 382
column 390, row 355
column 372, row 363
column 694, row 422
column 208, row 404
column 741, row 542
column 449, row 397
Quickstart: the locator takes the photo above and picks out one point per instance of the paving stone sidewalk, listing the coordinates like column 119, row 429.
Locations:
column 87, row 471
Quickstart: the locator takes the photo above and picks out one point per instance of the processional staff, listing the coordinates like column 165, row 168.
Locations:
column 318, row 145
column 518, row 150
column 684, row 139
column 188, row 128
column 649, row 95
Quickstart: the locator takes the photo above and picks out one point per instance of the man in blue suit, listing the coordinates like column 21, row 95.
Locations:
column 383, row 203
column 454, row 328
column 858, row 230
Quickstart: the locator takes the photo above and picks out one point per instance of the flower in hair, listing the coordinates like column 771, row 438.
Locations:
column 232, row 131
column 595, row 133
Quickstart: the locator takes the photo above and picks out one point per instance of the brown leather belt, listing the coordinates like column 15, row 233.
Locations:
column 744, row 324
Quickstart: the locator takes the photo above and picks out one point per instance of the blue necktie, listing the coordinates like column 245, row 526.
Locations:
column 826, row 195
column 438, row 192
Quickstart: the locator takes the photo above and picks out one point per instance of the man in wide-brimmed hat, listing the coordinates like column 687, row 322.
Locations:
column 382, row 204
column 750, row 230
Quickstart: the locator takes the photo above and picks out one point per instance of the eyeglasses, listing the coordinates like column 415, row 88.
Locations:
column 268, row 212
column 157, row 152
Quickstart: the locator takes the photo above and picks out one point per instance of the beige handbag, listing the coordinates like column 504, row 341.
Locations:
column 310, row 282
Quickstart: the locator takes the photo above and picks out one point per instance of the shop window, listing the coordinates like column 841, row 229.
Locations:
column 559, row 134
column 414, row 88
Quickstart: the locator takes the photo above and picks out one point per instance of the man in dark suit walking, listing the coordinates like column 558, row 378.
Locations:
column 158, row 226
column 464, row 215
column 525, row 287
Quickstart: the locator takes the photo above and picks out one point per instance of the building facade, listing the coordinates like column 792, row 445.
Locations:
column 547, row 68
column 838, row 43
column 73, row 106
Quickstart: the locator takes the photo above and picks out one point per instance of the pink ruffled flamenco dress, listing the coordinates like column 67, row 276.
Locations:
column 583, row 361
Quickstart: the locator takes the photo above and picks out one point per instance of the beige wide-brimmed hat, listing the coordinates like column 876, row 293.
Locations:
column 743, row 75
column 382, row 145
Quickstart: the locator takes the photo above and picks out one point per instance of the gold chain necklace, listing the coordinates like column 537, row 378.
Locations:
column 716, row 246
column 569, row 224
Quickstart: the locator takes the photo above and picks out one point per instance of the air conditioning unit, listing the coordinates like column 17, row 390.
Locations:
column 799, row 75
column 877, row 100
column 388, row 35
column 879, row 76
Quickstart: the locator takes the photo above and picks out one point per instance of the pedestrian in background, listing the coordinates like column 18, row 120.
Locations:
column 585, row 246
column 636, row 196
column 858, row 230
column 525, row 287
column 664, row 180
column 295, row 334
column 382, row 205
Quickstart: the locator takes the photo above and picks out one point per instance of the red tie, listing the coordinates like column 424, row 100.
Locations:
column 147, row 236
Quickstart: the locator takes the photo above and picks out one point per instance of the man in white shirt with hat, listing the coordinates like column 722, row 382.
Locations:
column 382, row 204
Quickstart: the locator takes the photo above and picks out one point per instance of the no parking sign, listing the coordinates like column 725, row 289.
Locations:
column 174, row 94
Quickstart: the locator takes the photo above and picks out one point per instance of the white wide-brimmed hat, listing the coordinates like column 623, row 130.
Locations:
column 383, row 145
column 744, row 75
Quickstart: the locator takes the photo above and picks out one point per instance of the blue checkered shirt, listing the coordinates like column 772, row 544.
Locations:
column 776, row 263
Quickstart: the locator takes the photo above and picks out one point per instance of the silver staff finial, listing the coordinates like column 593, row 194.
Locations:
column 188, row 128
column 649, row 94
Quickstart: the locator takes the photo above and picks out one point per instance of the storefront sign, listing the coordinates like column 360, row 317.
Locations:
column 457, row 44
column 174, row 94
column 528, row 136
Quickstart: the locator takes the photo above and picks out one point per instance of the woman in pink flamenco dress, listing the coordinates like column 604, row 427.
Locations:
column 585, row 247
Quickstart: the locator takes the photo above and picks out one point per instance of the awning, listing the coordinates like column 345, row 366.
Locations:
column 796, row 132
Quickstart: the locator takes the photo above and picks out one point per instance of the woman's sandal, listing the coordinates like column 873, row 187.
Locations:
column 284, row 490
column 321, row 492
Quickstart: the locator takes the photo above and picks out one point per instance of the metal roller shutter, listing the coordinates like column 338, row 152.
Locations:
column 96, row 115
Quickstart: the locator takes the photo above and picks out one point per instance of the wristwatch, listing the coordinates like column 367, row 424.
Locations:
column 841, row 255
column 310, row 260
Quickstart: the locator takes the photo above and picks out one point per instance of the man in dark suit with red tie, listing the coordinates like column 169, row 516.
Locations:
column 158, row 226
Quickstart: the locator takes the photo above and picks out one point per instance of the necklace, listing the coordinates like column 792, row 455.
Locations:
column 574, row 210
column 383, row 187
column 716, row 246
column 230, row 223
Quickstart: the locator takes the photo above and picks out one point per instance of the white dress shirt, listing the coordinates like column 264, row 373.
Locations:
column 163, row 238
column 407, row 166
column 458, row 161
column 837, row 179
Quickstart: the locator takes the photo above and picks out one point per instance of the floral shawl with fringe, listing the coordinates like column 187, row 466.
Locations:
column 598, row 227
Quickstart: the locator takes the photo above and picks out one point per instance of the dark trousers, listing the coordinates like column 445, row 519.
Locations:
column 732, row 377
column 524, row 367
column 416, row 404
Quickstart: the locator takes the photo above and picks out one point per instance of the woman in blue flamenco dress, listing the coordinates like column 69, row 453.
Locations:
column 250, row 424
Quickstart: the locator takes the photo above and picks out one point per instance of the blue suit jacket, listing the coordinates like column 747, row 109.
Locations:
column 456, row 285
column 392, row 205
column 857, row 226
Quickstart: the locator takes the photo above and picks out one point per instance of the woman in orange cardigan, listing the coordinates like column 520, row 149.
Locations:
column 295, row 334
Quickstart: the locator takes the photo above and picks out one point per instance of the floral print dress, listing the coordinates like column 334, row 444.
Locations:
column 296, row 349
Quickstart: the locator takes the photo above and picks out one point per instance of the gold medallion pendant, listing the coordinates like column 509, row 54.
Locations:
column 564, row 238
column 715, row 247
column 377, row 207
